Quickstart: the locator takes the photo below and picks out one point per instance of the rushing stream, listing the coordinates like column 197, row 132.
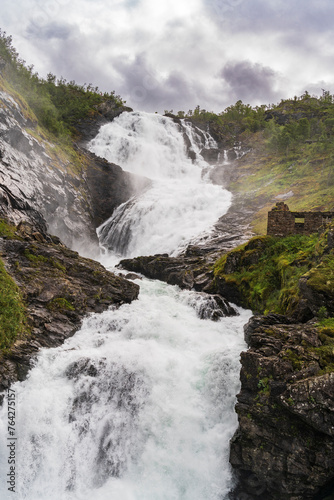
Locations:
column 139, row 404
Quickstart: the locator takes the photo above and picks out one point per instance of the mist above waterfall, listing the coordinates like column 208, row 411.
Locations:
column 181, row 203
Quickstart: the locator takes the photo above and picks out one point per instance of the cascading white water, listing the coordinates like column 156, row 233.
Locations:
column 139, row 404
column 153, row 146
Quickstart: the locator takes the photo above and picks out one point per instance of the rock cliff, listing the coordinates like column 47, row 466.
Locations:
column 72, row 189
column 284, row 446
column 58, row 288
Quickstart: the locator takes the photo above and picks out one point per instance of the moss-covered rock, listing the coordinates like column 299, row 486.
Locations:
column 291, row 275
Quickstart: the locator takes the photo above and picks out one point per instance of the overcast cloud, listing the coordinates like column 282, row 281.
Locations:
column 177, row 54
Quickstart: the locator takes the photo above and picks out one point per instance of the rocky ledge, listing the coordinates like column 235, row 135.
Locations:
column 58, row 287
column 284, row 446
column 190, row 271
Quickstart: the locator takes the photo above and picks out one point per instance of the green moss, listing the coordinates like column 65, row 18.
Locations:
column 326, row 328
column 293, row 357
column 263, row 386
column 13, row 319
column 321, row 278
column 7, row 230
column 266, row 270
column 55, row 263
column 60, row 304
column 34, row 258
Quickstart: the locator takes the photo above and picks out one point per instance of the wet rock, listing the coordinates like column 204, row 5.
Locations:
column 187, row 272
column 210, row 155
column 284, row 446
column 212, row 307
column 132, row 276
column 71, row 194
column 172, row 270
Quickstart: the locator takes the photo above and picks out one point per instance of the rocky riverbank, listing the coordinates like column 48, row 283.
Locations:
column 284, row 446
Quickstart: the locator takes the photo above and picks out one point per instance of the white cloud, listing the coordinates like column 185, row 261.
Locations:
column 176, row 54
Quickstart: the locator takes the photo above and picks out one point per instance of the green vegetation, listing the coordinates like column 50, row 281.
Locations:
column 233, row 124
column 13, row 322
column 7, row 230
column 57, row 104
column 292, row 152
column 326, row 350
column 266, row 270
column 34, row 258
column 60, row 304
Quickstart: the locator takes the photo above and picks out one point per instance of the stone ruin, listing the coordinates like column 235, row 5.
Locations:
column 282, row 222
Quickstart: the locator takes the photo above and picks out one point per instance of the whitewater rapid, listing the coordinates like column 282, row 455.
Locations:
column 139, row 403
column 150, row 415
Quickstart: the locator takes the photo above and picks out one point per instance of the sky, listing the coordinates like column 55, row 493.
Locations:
column 163, row 55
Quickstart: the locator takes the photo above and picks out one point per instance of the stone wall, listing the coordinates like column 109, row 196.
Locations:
column 282, row 222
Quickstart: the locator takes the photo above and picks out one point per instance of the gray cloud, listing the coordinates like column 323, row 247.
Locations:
column 249, row 81
column 271, row 15
column 144, row 87
column 49, row 31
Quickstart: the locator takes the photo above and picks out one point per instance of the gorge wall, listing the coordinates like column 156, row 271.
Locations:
column 71, row 188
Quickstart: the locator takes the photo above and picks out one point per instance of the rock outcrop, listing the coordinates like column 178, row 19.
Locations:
column 190, row 271
column 185, row 271
column 284, row 446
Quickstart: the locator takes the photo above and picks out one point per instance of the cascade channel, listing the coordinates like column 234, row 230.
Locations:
column 139, row 403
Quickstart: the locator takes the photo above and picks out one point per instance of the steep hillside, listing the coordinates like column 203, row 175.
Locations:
column 276, row 153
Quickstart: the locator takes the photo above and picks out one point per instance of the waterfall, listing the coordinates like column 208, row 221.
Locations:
column 139, row 403
column 154, row 146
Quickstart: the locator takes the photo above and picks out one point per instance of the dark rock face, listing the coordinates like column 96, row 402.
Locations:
column 105, row 112
column 59, row 288
column 172, row 270
column 74, row 194
column 212, row 306
column 109, row 186
column 284, row 446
